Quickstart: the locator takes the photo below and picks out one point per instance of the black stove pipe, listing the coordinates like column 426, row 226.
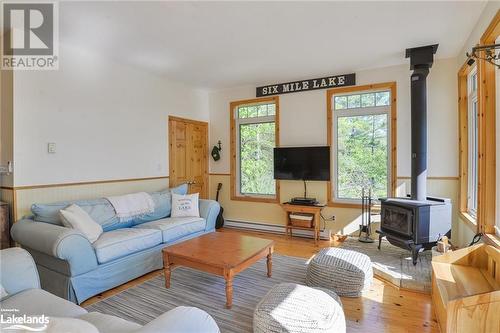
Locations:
column 421, row 59
column 419, row 133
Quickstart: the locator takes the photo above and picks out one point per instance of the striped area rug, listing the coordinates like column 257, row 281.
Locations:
column 190, row 287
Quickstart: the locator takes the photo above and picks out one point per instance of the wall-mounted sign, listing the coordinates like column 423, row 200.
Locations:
column 304, row 85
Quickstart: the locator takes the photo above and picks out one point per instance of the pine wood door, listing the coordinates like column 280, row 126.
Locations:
column 188, row 154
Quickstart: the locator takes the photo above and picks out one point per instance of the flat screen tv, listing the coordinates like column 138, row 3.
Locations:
column 302, row 163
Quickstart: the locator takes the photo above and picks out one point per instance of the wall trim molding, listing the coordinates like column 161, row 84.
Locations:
column 272, row 228
column 31, row 187
column 433, row 177
column 398, row 177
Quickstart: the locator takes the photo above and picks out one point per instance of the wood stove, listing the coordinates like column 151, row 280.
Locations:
column 417, row 222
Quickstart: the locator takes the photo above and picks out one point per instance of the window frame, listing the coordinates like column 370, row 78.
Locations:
column 332, row 141
column 464, row 83
column 486, row 92
column 472, row 157
column 235, row 169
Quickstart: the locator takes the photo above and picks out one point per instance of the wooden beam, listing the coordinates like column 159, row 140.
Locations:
column 487, row 133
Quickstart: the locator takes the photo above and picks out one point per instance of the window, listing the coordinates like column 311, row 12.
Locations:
column 360, row 136
column 472, row 144
column 254, row 136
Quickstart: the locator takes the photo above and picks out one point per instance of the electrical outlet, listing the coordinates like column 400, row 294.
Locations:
column 51, row 148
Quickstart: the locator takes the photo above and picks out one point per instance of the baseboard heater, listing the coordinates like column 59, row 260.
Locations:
column 273, row 228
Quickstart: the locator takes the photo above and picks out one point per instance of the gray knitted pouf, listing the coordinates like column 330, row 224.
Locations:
column 346, row 272
column 293, row 308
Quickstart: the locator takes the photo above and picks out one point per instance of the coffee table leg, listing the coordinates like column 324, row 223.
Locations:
column 229, row 291
column 166, row 270
column 269, row 263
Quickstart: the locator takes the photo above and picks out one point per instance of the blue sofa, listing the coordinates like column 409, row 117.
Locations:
column 75, row 269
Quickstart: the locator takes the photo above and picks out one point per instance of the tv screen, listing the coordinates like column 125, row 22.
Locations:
column 302, row 163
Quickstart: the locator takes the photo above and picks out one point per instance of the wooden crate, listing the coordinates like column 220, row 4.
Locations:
column 302, row 220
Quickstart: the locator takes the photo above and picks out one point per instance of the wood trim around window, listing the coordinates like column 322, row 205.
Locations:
column 232, row 106
column 487, row 134
column 463, row 143
column 329, row 118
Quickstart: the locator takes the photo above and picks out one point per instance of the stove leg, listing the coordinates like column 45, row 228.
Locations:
column 379, row 240
column 414, row 253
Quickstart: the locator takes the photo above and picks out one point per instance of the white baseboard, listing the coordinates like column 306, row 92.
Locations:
column 273, row 228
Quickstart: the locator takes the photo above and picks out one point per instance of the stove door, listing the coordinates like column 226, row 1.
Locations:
column 397, row 219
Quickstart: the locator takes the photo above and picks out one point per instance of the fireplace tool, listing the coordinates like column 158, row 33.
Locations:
column 365, row 230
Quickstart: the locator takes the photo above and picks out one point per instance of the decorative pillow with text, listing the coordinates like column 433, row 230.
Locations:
column 185, row 205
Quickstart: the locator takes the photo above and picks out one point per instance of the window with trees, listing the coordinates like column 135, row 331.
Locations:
column 254, row 136
column 361, row 138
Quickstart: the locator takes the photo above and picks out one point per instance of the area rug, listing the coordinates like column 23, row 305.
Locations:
column 395, row 265
column 190, row 287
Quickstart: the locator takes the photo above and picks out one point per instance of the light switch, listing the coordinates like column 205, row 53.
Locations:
column 51, row 148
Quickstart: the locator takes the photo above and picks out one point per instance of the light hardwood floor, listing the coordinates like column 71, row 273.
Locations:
column 384, row 308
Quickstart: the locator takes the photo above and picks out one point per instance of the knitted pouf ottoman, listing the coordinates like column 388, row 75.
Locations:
column 293, row 308
column 346, row 272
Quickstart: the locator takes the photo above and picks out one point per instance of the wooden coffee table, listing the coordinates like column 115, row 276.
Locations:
column 224, row 254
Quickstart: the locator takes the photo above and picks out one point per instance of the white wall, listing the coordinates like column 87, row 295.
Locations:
column 303, row 117
column 303, row 122
column 109, row 121
column 6, row 125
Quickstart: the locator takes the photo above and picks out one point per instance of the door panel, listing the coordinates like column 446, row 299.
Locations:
column 199, row 160
column 189, row 154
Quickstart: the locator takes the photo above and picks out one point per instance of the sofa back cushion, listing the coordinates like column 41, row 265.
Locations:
column 163, row 205
column 103, row 212
column 100, row 210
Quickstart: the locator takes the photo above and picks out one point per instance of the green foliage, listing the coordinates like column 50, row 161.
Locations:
column 256, row 158
column 362, row 155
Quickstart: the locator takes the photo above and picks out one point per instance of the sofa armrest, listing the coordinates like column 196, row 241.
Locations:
column 209, row 209
column 56, row 241
column 182, row 319
column 18, row 271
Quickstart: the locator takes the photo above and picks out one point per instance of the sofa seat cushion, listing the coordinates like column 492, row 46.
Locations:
column 122, row 242
column 173, row 228
column 110, row 324
column 38, row 301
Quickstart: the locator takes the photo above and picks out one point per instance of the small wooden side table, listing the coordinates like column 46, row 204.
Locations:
column 314, row 210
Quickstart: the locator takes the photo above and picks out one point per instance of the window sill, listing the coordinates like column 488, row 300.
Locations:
column 470, row 221
column 255, row 199
column 492, row 239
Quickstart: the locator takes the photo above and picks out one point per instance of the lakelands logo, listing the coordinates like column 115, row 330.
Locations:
column 30, row 31
column 12, row 322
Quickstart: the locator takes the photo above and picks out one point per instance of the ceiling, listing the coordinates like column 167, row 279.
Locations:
column 226, row 44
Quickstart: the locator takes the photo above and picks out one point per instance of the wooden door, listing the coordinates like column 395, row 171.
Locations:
column 188, row 154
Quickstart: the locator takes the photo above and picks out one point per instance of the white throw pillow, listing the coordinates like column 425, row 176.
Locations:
column 185, row 205
column 76, row 218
